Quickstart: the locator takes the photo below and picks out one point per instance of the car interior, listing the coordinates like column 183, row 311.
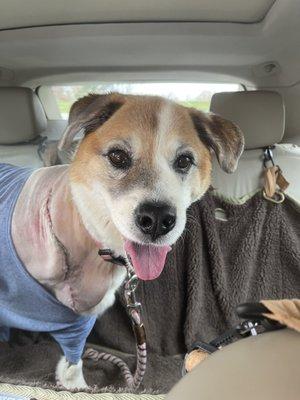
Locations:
column 236, row 59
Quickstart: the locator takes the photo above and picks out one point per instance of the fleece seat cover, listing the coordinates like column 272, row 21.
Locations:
column 251, row 254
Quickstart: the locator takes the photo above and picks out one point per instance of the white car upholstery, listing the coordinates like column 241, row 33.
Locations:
column 22, row 121
column 55, row 128
column 260, row 115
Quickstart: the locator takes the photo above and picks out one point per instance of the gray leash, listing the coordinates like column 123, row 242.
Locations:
column 133, row 381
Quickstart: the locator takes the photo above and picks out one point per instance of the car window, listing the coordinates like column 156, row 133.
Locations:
column 190, row 94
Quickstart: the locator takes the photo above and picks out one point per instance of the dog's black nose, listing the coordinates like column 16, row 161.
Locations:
column 155, row 219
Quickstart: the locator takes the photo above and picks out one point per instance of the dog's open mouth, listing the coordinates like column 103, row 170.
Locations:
column 148, row 260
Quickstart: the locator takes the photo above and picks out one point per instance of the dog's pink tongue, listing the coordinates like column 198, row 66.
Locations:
column 148, row 260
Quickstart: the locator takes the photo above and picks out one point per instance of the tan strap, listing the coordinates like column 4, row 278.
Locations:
column 286, row 311
column 274, row 184
column 281, row 181
column 270, row 179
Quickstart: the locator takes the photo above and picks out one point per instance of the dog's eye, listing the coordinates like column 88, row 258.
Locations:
column 119, row 159
column 183, row 163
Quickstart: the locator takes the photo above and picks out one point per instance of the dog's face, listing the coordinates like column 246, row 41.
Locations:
column 145, row 160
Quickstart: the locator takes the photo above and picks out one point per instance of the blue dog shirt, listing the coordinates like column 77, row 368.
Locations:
column 24, row 303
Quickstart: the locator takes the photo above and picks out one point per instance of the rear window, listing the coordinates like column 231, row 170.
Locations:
column 196, row 95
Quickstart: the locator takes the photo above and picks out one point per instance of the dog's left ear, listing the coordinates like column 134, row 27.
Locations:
column 222, row 136
column 88, row 113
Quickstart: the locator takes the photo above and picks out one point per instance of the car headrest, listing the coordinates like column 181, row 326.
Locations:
column 22, row 117
column 260, row 115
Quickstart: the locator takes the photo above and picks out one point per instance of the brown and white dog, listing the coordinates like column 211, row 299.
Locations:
column 142, row 162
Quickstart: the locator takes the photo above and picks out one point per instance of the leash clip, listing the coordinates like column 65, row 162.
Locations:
column 130, row 287
column 131, row 283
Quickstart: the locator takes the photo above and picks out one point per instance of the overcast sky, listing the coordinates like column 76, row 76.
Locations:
column 183, row 91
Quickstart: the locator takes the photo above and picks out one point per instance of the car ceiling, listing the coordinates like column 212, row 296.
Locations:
column 170, row 40
column 36, row 13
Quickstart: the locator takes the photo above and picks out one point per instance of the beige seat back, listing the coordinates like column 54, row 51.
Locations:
column 261, row 116
column 22, row 120
column 262, row 367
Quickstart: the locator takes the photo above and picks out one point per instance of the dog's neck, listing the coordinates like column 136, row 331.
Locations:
column 47, row 211
column 45, row 218
column 66, row 223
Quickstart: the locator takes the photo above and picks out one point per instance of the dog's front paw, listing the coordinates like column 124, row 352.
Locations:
column 70, row 376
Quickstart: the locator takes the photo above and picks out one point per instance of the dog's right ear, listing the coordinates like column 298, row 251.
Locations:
column 88, row 113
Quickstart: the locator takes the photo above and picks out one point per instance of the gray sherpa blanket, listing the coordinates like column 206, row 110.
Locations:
column 216, row 265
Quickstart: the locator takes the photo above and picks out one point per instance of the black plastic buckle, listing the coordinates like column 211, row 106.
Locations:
column 205, row 347
column 255, row 322
column 226, row 338
column 255, row 312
